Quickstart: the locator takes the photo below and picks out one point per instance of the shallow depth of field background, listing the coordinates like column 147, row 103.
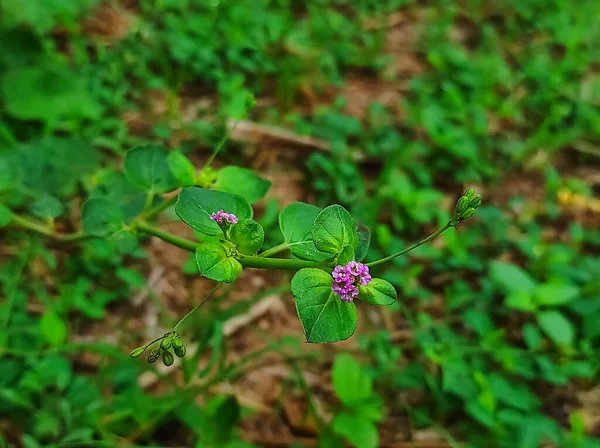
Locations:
column 391, row 108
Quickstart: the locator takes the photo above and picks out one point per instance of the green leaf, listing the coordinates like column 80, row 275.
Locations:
column 47, row 207
column 101, row 217
column 532, row 336
column 557, row 327
column 295, row 222
column 243, row 182
column 223, row 413
column 248, row 236
column 520, row 300
column 350, row 381
column 364, row 241
column 511, row 278
column 195, row 205
column 333, row 229
column 359, row 432
column 147, row 168
column 324, row 317
column 346, row 255
column 53, row 328
column 377, row 292
column 215, row 263
column 48, row 94
column 6, row 215
column 182, row 169
column 10, row 172
column 555, row 295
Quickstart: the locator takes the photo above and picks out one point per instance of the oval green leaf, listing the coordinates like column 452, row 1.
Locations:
column 295, row 222
column 364, row 241
column 182, row 169
column 324, row 317
column 243, row 182
column 101, row 217
column 147, row 167
column 248, row 236
column 6, row 215
column 378, row 292
column 333, row 229
column 47, row 207
column 215, row 263
column 557, row 327
column 195, row 205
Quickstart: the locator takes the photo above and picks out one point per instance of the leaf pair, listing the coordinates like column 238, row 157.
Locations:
column 324, row 316
column 217, row 259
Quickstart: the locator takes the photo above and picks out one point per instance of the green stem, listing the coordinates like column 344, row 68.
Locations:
column 149, row 200
column 219, row 147
column 278, row 263
column 412, row 246
column 159, row 208
column 246, row 261
column 166, row 236
column 196, row 308
column 274, row 250
column 47, row 231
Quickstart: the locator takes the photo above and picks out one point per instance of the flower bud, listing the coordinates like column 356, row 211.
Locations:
column 177, row 342
column 167, row 358
column 166, row 343
column 475, row 201
column 469, row 193
column 467, row 214
column 138, row 351
column 462, row 205
column 154, row 355
column 180, row 351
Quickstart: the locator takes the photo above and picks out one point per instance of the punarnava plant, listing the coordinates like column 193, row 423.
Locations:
column 327, row 247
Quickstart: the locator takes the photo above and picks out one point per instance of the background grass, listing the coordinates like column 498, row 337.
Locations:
column 494, row 341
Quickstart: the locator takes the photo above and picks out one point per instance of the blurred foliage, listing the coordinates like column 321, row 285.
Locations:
column 503, row 316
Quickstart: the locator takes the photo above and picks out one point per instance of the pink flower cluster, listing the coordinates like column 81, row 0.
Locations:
column 222, row 217
column 346, row 278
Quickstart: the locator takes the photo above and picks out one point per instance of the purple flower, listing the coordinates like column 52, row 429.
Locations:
column 222, row 217
column 346, row 278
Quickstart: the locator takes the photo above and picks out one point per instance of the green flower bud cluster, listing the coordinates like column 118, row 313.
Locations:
column 466, row 206
column 168, row 342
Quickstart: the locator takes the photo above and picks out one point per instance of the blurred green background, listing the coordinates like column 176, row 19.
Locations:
column 391, row 108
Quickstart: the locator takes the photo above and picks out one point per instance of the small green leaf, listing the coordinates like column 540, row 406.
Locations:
column 324, row 317
column 511, row 278
column 557, row 327
column 295, row 222
column 532, row 336
column 195, row 205
column 101, row 217
column 47, row 207
column 243, row 182
column 53, row 328
column 555, row 295
column 333, row 229
column 6, row 215
column 248, row 236
column 182, row 169
column 11, row 173
column 377, row 292
column 520, row 300
column 350, row 381
column 364, row 241
column 215, row 263
column 147, row 168
column 359, row 432
column 346, row 255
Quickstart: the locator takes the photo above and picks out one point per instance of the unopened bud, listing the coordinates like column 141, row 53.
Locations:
column 166, row 343
column 180, row 351
column 138, row 351
column 475, row 201
column 168, row 358
column 154, row 355
column 467, row 214
column 177, row 342
column 462, row 205
column 469, row 193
